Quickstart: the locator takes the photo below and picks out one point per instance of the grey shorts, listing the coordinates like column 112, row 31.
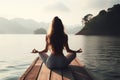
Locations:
column 57, row 62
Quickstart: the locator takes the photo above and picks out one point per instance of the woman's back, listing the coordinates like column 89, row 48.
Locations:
column 57, row 43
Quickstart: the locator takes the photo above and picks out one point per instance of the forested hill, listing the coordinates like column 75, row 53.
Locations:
column 107, row 22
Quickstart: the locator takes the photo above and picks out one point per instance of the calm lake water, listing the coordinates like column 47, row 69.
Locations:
column 101, row 54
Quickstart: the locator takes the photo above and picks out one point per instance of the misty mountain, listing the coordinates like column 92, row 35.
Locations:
column 7, row 26
column 72, row 29
column 28, row 26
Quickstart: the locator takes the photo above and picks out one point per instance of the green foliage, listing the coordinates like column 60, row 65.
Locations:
column 105, row 23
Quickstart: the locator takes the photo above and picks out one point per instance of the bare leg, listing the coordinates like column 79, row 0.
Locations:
column 70, row 57
column 43, row 56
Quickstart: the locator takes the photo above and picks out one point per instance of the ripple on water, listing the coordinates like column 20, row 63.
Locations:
column 11, row 78
column 3, row 70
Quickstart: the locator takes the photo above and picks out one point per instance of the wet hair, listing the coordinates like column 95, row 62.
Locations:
column 56, row 36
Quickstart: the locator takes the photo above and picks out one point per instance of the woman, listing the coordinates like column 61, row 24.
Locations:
column 56, row 41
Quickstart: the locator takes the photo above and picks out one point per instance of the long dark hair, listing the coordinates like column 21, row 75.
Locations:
column 56, row 35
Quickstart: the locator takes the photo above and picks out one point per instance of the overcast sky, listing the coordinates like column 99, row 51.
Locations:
column 70, row 11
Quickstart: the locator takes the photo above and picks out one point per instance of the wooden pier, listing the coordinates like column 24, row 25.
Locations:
column 38, row 71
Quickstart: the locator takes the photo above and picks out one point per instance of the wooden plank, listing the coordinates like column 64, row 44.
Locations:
column 56, row 75
column 38, row 71
column 67, row 74
column 35, row 71
column 79, row 71
column 29, row 69
column 44, row 73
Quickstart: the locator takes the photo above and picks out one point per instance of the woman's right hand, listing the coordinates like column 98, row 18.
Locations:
column 35, row 51
column 79, row 51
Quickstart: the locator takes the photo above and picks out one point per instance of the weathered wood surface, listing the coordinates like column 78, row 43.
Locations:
column 38, row 71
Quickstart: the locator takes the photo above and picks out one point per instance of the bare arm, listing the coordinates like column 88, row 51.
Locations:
column 43, row 51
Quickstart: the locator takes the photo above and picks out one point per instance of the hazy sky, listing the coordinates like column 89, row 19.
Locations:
column 70, row 11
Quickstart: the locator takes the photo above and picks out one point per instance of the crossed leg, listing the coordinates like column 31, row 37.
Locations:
column 44, row 57
column 70, row 57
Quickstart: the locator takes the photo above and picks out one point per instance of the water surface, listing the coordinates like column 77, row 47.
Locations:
column 101, row 54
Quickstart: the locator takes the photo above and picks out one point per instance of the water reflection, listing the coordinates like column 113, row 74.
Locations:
column 102, row 56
